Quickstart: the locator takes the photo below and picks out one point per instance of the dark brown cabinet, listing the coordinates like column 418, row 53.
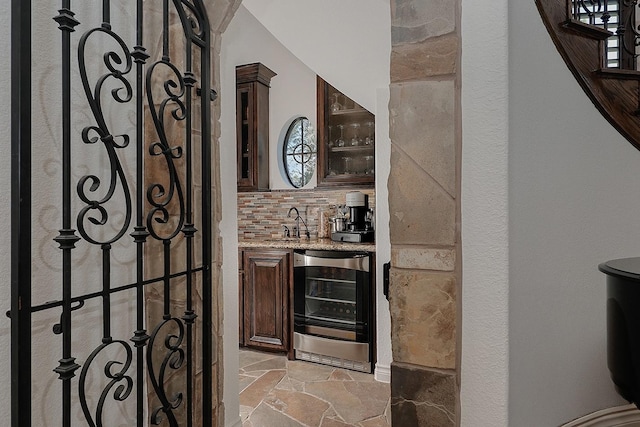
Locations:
column 252, row 126
column 346, row 140
column 266, row 299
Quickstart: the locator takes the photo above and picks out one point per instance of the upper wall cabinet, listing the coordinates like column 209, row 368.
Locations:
column 252, row 126
column 346, row 140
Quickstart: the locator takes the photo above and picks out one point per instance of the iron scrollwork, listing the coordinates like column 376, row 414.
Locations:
column 174, row 360
column 593, row 9
column 628, row 24
column 193, row 14
column 157, row 195
column 118, row 66
column 122, row 382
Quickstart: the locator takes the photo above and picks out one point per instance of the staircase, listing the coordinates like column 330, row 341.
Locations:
column 583, row 45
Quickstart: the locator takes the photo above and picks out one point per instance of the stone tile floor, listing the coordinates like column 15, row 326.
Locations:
column 276, row 392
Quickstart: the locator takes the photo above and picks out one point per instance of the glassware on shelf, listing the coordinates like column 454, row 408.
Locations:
column 330, row 143
column 370, row 165
column 348, row 162
column 335, row 106
column 355, row 139
column 332, row 168
column 370, row 134
column 340, row 141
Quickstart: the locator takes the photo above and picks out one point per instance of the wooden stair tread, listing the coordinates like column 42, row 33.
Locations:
column 588, row 30
column 617, row 73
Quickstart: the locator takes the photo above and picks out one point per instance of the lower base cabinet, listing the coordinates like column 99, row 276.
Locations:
column 265, row 299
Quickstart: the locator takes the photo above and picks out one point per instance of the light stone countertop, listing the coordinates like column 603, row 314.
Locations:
column 303, row 243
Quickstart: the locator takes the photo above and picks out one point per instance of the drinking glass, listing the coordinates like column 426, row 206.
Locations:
column 340, row 141
column 335, row 106
column 355, row 139
column 332, row 165
column 369, row 139
column 370, row 166
column 330, row 137
column 348, row 162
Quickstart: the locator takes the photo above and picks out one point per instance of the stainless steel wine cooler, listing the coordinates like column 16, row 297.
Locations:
column 333, row 313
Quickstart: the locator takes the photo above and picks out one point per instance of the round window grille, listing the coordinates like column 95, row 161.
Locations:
column 299, row 152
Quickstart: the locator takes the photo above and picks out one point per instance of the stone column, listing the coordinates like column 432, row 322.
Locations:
column 220, row 13
column 424, row 189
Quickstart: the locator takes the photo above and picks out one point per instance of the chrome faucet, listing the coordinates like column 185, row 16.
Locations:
column 296, row 228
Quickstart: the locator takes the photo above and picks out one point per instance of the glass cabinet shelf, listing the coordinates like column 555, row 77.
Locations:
column 349, row 112
column 350, row 149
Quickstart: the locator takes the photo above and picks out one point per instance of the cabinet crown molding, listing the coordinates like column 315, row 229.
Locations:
column 256, row 72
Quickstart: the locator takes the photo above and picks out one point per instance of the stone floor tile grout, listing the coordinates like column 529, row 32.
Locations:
column 285, row 414
column 298, row 384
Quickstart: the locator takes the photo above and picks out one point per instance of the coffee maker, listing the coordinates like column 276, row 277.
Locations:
column 358, row 228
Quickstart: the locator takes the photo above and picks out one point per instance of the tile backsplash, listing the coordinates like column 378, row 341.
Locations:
column 262, row 214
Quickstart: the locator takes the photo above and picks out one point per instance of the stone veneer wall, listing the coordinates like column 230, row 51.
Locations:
column 424, row 219
column 220, row 14
column 262, row 214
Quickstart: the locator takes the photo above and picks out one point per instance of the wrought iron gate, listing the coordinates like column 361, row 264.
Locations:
column 134, row 232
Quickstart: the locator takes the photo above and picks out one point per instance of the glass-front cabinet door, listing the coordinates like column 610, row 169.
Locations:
column 252, row 126
column 346, row 140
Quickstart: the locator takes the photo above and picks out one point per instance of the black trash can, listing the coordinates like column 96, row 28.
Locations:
column 623, row 325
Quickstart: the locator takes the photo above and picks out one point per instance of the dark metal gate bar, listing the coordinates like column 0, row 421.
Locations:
column 20, row 212
column 162, row 211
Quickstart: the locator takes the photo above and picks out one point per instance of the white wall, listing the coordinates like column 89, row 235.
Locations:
column 572, row 203
column 485, row 282
column 292, row 93
column 383, row 242
column 5, row 210
column 346, row 43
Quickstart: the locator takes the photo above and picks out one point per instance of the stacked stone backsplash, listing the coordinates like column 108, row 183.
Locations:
column 262, row 214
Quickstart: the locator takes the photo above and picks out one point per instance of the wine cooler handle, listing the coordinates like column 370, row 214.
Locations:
column 360, row 263
column 386, row 267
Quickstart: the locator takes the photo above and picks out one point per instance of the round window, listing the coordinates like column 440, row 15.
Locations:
column 299, row 152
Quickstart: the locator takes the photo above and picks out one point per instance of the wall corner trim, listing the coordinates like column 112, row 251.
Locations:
column 382, row 373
